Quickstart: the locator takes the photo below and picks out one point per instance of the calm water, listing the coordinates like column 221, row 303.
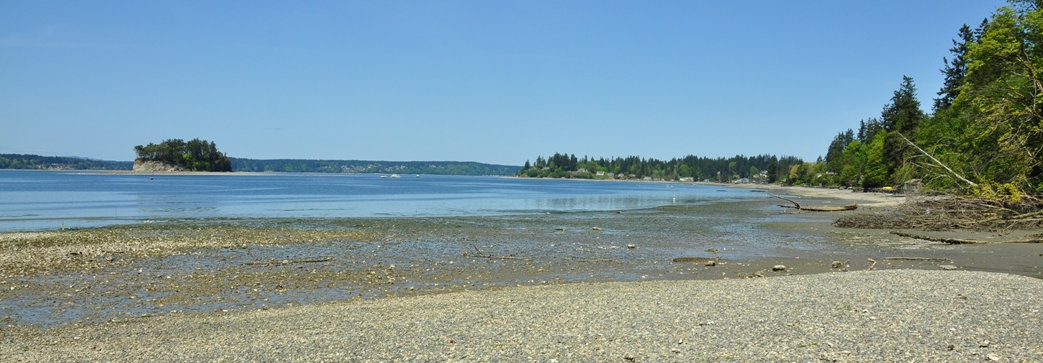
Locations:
column 38, row 200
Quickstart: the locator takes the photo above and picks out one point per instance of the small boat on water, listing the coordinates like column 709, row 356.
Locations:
column 395, row 176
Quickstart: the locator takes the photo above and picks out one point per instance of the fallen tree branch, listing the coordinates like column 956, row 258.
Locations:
column 797, row 206
column 957, row 175
column 794, row 206
column 274, row 262
column 962, row 240
column 955, row 241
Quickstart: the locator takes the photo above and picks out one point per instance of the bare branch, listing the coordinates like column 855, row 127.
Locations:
column 957, row 175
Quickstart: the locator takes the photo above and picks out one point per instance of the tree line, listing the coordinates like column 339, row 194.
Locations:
column 194, row 155
column 984, row 134
column 378, row 167
column 760, row 168
column 26, row 161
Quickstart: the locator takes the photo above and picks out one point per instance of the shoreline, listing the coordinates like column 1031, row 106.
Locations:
column 493, row 288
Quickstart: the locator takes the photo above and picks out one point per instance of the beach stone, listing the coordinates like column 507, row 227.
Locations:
column 948, row 267
column 778, row 268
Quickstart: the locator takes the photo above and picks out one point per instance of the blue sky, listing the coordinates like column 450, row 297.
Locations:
column 488, row 81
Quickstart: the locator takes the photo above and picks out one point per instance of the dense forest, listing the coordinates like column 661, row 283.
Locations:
column 361, row 166
column 194, row 155
column 984, row 135
column 761, row 168
column 23, row 161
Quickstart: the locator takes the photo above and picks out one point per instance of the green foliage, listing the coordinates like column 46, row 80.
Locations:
column 194, row 155
column 876, row 163
column 1007, row 192
column 988, row 121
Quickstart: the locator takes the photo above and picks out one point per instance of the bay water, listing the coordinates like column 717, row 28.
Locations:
column 50, row 200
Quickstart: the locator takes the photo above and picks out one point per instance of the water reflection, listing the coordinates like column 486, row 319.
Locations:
column 86, row 199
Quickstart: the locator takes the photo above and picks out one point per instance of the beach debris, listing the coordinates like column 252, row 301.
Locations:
column 902, row 258
column 712, row 250
column 836, row 264
column 631, row 246
column 797, row 206
column 872, row 264
column 700, row 260
column 595, row 228
column 559, row 229
column 778, row 268
column 274, row 262
column 948, row 267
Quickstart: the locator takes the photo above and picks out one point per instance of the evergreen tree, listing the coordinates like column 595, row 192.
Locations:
column 773, row 169
column 954, row 69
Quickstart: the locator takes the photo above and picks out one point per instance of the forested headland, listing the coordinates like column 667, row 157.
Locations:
column 194, row 155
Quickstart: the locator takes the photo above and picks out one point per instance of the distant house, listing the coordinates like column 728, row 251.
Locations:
column 600, row 173
column 687, row 179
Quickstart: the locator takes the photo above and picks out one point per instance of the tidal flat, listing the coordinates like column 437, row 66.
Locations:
column 206, row 266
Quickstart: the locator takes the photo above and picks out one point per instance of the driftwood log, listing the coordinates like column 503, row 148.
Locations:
column 797, row 206
column 961, row 241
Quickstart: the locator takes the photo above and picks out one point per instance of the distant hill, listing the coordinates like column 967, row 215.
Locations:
column 374, row 167
column 23, row 161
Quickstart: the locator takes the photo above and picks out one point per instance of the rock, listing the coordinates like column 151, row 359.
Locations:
column 993, row 357
column 947, row 267
column 631, row 246
column 836, row 264
column 778, row 268
column 596, row 228
column 155, row 166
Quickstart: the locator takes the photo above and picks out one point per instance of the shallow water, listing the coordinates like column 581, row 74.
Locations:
column 39, row 200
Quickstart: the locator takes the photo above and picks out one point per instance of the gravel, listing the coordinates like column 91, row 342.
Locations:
column 888, row 315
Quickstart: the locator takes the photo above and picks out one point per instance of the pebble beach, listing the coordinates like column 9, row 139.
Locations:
column 896, row 315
